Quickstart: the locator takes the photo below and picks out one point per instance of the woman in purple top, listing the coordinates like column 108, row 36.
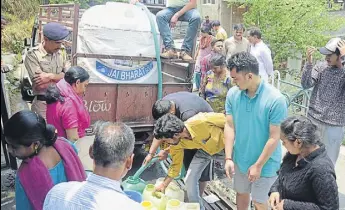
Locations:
column 65, row 107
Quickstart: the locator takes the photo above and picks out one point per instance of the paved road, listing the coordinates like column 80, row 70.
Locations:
column 154, row 172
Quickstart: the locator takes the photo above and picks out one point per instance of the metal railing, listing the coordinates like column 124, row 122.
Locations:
column 297, row 98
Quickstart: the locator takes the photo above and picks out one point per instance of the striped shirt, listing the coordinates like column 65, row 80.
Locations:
column 96, row 192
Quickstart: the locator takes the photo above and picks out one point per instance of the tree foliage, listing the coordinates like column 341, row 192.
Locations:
column 290, row 25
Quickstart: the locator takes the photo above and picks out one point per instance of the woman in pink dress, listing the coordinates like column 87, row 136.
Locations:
column 204, row 48
column 65, row 107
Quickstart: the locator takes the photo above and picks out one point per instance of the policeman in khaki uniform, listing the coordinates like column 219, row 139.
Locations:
column 46, row 64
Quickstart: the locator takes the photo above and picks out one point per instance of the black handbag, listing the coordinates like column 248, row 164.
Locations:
column 26, row 90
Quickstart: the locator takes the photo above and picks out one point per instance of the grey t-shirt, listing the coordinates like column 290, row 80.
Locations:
column 188, row 104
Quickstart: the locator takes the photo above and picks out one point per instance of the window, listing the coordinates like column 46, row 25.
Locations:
column 209, row 1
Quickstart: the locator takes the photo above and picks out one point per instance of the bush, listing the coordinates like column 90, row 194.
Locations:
column 15, row 32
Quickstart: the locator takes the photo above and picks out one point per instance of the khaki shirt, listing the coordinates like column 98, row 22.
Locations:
column 38, row 60
column 233, row 46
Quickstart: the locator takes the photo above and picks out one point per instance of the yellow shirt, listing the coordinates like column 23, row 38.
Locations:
column 207, row 131
column 221, row 34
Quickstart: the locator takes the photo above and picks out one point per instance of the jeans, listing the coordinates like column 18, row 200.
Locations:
column 163, row 21
column 199, row 163
column 332, row 137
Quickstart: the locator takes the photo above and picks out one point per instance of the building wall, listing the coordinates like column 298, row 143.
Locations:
column 219, row 10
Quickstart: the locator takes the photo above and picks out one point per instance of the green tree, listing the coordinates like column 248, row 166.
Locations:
column 290, row 25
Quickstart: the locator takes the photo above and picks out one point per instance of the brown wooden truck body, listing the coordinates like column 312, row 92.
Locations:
column 129, row 103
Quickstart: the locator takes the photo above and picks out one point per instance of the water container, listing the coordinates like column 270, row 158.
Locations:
column 133, row 195
column 174, row 204
column 134, row 184
column 191, row 206
column 148, row 205
column 173, row 191
column 158, row 199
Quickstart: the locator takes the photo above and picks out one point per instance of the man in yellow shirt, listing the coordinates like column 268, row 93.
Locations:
column 219, row 30
column 205, row 132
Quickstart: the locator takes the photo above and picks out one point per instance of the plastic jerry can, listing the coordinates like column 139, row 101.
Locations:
column 148, row 205
column 158, row 199
column 174, row 204
column 191, row 206
column 173, row 191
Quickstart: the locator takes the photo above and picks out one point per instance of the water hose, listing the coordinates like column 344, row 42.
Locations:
column 160, row 79
column 157, row 49
column 143, row 168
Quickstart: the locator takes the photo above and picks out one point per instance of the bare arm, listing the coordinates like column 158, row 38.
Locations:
column 154, row 146
column 270, row 146
column 191, row 5
column 72, row 134
column 229, row 136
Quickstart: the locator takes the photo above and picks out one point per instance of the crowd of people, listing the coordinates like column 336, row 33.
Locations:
column 237, row 118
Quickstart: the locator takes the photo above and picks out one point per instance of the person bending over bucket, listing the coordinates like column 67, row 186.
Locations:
column 205, row 132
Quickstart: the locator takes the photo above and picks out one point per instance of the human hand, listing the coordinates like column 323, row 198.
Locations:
column 229, row 168
column 341, row 47
column 279, row 206
column 4, row 68
column 274, row 199
column 160, row 188
column 174, row 20
column 254, row 172
column 163, row 154
column 42, row 78
column 147, row 159
column 310, row 52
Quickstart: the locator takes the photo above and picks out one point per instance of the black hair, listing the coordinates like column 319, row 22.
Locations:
column 26, row 127
column 244, row 62
column 73, row 74
column 302, row 128
column 167, row 126
column 255, row 32
column 218, row 59
column 337, row 52
column 239, row 27
column 160, row 108
column 205, row 30
column 216, row 23
column 214, row 41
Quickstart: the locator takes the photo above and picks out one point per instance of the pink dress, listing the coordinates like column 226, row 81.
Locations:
column 68, row 114
column 202, row 53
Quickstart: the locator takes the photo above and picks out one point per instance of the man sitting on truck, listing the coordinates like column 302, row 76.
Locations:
column 205, row 132
column 46, row 64
column 178, row 10
column 183, row 105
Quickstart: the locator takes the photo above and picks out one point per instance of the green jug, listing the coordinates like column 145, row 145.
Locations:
column 135, row 183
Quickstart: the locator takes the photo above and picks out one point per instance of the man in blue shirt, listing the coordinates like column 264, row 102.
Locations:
column 254, row 112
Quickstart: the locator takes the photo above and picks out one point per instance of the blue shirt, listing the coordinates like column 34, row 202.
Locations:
column 252, row 118
column 57, row 174
column 97, row 192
